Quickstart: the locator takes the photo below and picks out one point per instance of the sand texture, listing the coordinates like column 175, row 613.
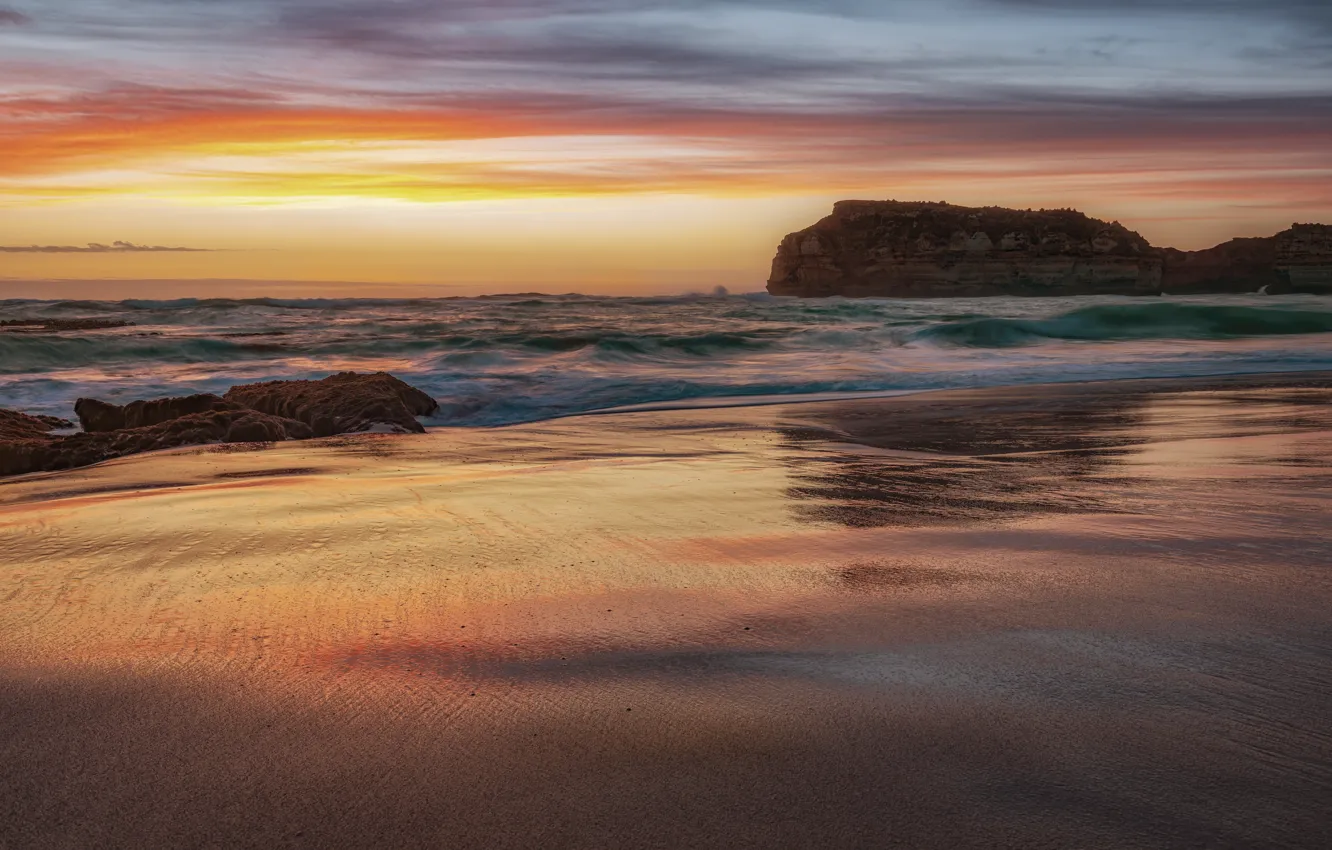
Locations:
column 1090, row 616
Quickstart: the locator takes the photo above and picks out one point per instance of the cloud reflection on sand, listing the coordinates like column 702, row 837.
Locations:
column 1000, row 600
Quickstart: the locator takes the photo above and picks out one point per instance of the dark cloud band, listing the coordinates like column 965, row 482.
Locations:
column 787, row 92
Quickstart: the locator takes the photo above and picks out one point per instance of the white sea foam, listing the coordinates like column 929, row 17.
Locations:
column 510, row 359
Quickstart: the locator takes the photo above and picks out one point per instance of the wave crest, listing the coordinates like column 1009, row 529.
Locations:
column 1112, row 322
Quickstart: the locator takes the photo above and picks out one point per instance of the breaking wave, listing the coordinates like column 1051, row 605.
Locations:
column 1110, row 322
column 506, row 359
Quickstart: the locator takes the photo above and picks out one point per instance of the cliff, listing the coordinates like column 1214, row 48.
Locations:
column 1240, row 265
column 1304, row 254
column 924, row 249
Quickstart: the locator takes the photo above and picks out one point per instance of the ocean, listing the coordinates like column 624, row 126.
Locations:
column 501, row 360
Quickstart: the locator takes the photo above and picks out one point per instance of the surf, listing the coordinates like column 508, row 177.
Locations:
column 1114, row 322
column 505, row 359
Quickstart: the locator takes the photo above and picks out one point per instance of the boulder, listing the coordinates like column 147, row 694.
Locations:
column 95, row 415
column 255, row 427
column 218, row 426
column 253, row 413
column 341, row 404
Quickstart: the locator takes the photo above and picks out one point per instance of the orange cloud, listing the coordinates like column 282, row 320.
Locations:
column 42, row 138
column 258, row 147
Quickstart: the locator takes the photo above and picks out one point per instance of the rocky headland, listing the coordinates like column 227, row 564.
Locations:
column 909, row 249
column 251, row 413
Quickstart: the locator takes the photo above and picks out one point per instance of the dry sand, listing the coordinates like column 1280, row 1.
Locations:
column 1078, row 616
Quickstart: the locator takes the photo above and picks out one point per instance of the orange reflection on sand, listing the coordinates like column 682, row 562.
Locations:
column 1226, row 435
column 651, row 616
column 320, row 551
column 534, row 549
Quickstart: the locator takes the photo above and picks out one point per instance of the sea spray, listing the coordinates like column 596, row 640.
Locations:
column 499, row 360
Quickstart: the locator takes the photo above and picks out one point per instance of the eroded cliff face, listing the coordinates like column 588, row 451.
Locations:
column 924, row 249
column 1240, row 265
column 1304, row 253
column 893, row 248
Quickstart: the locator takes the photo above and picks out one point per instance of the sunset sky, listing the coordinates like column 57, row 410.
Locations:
column 457, row 146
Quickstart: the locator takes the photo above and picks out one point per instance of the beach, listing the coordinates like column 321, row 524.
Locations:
column 1056, row 615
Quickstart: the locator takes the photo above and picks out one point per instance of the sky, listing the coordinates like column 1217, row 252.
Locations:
column 387, row 147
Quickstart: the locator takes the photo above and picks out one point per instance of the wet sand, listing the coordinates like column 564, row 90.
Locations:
column 1074, row 616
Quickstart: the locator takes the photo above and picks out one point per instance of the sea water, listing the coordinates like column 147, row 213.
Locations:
column 507, row 359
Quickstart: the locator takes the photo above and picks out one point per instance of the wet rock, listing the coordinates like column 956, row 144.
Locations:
column 341, row 404
column 23, row 426
column 16, row 426
column 97, row 415
column 45, row 453
column 255, row 427
column 253, row 413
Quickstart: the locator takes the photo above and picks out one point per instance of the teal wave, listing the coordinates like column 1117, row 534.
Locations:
column 1117, row 322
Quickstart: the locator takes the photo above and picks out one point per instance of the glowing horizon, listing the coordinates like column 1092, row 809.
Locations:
column 627, row 145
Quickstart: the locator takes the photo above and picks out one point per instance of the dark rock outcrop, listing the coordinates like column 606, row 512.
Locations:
column 97, row 415
column 924, row 249
column 22, row 426
column 222, row 426
column 341, row 404
column 1240, row 265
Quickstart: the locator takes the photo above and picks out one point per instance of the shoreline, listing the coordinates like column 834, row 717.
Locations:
column 1108, row 388
column 1167, row 383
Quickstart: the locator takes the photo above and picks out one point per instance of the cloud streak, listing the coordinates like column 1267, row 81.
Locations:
column 421, row 100
column 97, row 248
